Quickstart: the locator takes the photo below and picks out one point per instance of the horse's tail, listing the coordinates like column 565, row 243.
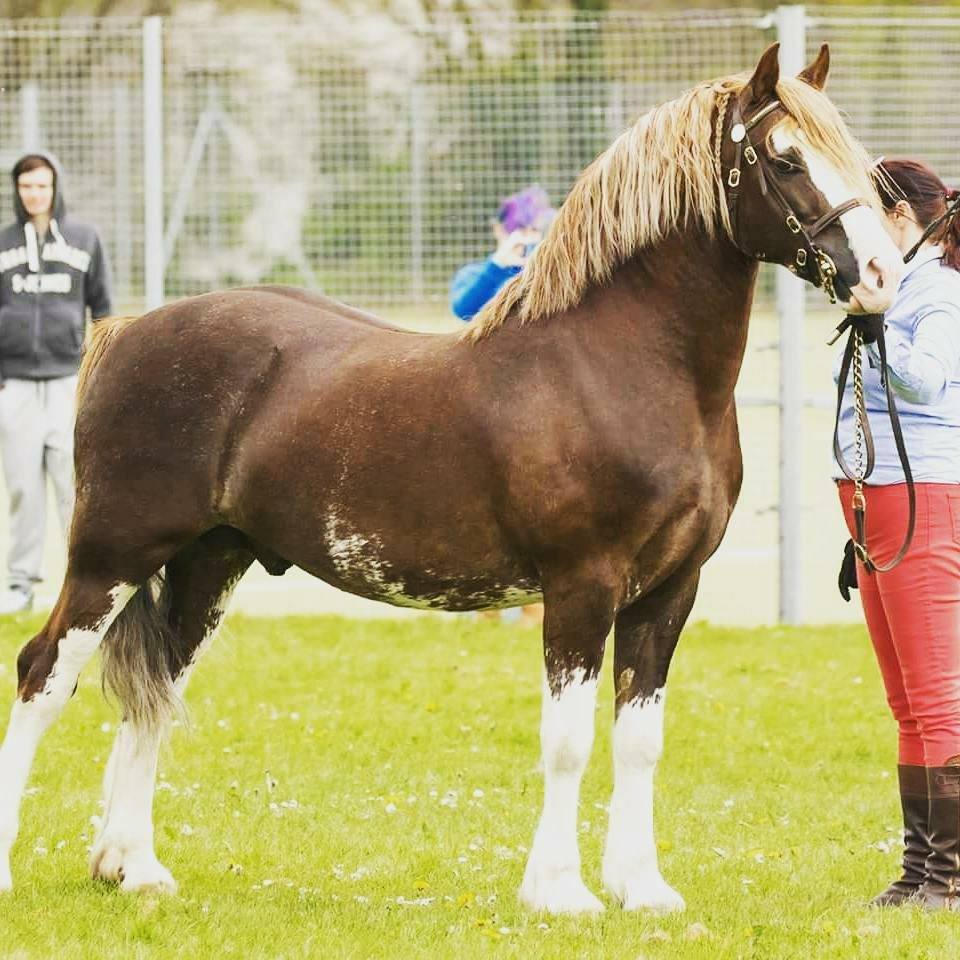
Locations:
column 140, row 658
column 102, row 335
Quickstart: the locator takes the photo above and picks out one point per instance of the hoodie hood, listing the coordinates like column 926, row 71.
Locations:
column 59, row 209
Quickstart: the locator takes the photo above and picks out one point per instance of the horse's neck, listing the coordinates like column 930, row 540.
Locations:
column 685, row 303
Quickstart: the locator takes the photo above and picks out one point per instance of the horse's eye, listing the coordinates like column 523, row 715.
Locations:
column 785, row 166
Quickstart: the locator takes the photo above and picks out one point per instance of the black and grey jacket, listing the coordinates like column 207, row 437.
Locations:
column 46, row 285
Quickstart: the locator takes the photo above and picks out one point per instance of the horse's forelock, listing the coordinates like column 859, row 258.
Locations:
column 826, row 132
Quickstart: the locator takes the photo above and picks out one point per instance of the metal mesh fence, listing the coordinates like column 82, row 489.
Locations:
column 74, row 86
column 369, row 165
column 365, row 157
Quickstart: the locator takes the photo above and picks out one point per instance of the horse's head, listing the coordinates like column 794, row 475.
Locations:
column 799, row 190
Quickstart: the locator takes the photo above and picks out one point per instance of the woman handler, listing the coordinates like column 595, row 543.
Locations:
column 913, row 611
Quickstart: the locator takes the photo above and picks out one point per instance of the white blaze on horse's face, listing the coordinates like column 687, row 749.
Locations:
column 879, row 262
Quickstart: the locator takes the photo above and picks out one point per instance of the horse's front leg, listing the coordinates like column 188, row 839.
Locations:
column 576, row 622
column 645, row 637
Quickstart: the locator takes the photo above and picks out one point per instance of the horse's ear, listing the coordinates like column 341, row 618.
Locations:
column 762, row 86
column 816, row 73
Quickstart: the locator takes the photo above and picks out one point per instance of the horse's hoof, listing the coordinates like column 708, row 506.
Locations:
column 134, row 870
column 558, row 892
column 644, row 890
column 148, row 878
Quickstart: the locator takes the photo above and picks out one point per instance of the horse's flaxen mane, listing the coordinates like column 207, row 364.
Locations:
column 656, row 178
column 104, row 332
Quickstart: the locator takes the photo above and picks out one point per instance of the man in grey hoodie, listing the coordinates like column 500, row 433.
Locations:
column 52, row 269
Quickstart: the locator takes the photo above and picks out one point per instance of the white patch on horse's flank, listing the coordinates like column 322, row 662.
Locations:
column 860, row 223
column 552, row 880
column 630, row 871
column 358, row 556
column 29, row 719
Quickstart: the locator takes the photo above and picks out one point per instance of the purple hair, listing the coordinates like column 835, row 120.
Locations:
column 528, row 208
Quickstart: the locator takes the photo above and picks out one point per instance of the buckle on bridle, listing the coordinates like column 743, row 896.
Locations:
column 801, row 257
column 733, row 178
column 750, row 155
column 828, row 271
column 793, row 223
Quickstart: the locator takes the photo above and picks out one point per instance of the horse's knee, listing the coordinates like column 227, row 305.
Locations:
column 638, row 732
column 34, row 666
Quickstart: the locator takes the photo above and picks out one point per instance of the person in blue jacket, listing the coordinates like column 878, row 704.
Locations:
column 518, row 227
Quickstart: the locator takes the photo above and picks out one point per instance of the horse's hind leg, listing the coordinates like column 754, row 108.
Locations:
column 645, row 637
column 577, row 617
column 198, row 584
column 47, row 669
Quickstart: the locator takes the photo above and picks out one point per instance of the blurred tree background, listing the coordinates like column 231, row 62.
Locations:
column 403, row 10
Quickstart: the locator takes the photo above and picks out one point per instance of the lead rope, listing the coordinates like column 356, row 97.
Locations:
column 859, row 502
column 863, row 445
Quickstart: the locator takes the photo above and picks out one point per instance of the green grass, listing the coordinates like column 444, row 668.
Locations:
column 368, row 789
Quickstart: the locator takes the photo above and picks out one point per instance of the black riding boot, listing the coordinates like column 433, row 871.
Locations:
column 915, row 802
column 941, row 889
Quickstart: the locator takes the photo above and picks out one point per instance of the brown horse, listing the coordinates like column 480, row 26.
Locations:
column 579, row 443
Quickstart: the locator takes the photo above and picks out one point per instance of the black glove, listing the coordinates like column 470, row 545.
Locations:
column 847, row 580
column 870, row 325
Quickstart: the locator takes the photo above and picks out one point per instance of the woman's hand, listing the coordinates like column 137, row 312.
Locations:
column 515, row 249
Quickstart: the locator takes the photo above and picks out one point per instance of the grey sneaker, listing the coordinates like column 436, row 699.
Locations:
column 15, row 599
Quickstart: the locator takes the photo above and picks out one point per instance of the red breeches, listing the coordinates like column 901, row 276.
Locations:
column 913, row 614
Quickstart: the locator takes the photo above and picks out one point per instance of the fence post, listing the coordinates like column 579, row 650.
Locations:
column 153, row 266
column 29, row 117
column 418, row 163
column 791, row 32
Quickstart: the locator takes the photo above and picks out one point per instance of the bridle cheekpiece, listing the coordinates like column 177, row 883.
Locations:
column 807, row 249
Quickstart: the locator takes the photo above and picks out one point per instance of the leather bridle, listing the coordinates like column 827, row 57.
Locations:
column 808, row 254
column 825, row 271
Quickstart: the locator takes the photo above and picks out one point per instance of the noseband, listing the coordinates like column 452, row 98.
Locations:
column 807, row 249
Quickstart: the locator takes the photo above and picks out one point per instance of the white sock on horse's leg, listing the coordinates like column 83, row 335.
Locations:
column 123, row 852
column 552, row 880
column 29, row 719
column 630, row 870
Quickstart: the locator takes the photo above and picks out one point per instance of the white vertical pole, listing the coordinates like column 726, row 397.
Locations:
column 791, row 32
column 418, row 163
column 153, row 162
column 29, row 117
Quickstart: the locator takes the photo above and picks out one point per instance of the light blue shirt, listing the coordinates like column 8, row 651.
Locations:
column 923, row 356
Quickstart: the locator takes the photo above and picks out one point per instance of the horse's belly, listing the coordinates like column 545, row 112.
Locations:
column 368, row 566
column 451, row 596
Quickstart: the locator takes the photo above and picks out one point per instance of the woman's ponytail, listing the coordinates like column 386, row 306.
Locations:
column 950, row 237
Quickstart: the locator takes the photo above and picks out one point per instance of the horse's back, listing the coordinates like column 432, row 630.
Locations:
column 183, row 374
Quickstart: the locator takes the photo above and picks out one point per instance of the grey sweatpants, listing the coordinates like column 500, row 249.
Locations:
column 36, row 441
